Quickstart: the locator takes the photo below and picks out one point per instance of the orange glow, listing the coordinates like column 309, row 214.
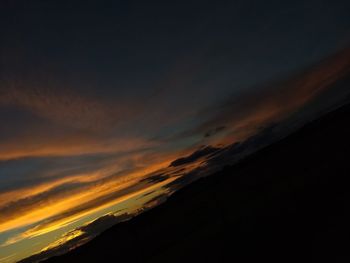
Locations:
column 52, row 226
column 70, row 201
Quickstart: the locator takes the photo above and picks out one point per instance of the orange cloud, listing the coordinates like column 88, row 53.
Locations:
column 54, row 201
column 69, row 144
column 70, row 216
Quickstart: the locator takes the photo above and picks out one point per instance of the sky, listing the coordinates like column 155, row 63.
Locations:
column 98, row 98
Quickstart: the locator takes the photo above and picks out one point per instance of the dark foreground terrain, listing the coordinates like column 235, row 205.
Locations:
column 286, row 203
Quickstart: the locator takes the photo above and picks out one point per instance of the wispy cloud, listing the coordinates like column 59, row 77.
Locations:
column 243, row 113
column 73, row 195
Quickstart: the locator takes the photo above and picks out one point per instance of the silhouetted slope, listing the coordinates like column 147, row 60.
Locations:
column 286, row 203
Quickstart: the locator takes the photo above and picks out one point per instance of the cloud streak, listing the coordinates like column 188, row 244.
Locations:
column 244, row 113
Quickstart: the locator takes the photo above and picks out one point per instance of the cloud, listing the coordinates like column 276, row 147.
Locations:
column 252, row 120
column 195, row 156
column 243, row 113
column 214, row 131
column 66, row 195
column 67, row 144
column 47, row 118
column 62, row 105
column 74, row 196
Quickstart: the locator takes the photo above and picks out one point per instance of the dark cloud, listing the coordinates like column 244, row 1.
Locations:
column 202, row 152
column 146, row 194
column 102, row 223
column 214, row 131
column 155, row 178
column 156, row 201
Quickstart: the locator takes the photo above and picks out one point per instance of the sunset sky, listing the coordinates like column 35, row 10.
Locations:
column 98, row 98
